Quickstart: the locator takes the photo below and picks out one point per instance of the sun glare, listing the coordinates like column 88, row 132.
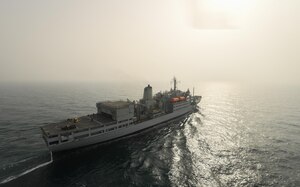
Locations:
column 218, row 13
column 228, row 7
column 227, row 4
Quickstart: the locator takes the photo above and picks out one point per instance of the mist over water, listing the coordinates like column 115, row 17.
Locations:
column 242, row 136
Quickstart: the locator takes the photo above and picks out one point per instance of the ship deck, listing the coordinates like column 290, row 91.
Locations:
column 84, row 122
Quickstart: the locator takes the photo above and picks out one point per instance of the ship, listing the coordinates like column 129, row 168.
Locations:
column 118, row 119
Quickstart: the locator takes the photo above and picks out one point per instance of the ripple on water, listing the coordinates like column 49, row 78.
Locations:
column 238, row 138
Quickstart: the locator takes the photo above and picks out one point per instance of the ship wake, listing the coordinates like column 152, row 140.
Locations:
column 10, row 178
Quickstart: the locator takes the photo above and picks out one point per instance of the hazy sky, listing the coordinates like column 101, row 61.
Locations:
column 196, row 40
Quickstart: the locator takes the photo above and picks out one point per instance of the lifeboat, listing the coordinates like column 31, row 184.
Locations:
column 174, row 99
column 182, row 98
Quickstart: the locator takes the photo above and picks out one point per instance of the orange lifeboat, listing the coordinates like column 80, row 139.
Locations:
column 182, row 98
column 174, row 99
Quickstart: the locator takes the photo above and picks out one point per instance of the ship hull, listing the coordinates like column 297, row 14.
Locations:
column 106, row 137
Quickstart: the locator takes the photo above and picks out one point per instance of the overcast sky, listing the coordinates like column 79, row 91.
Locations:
column 196, row 40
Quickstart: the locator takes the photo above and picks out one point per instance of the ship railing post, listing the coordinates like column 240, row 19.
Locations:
column 47, row 140
column 59, row 138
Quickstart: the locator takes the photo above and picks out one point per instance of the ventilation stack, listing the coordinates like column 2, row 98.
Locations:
column 147, row 93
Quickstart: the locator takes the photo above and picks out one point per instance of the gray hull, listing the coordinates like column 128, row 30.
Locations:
column 90, row 140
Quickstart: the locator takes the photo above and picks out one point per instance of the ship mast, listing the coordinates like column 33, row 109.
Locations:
column 175, row 83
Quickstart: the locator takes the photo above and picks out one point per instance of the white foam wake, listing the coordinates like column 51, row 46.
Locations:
column 27, row 171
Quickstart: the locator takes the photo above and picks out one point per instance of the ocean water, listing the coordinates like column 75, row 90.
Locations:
column 241, row 136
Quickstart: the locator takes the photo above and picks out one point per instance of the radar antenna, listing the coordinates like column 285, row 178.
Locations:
column 175, row 82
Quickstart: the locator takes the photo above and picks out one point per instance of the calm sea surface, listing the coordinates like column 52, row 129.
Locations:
column 242, row 136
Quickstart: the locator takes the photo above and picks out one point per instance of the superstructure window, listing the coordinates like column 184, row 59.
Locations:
column 65, row 134
column 53, row 136
column 98, row 132
column 125, row 120
column 81, row 130
column 111, row 129
column 97, row 127
column 121, row 126
column 82, row 136
column 54, row 142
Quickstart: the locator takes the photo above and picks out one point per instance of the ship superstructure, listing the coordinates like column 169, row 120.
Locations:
column 115, row 119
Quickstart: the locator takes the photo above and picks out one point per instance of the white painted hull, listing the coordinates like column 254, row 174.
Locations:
column 90, row 140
